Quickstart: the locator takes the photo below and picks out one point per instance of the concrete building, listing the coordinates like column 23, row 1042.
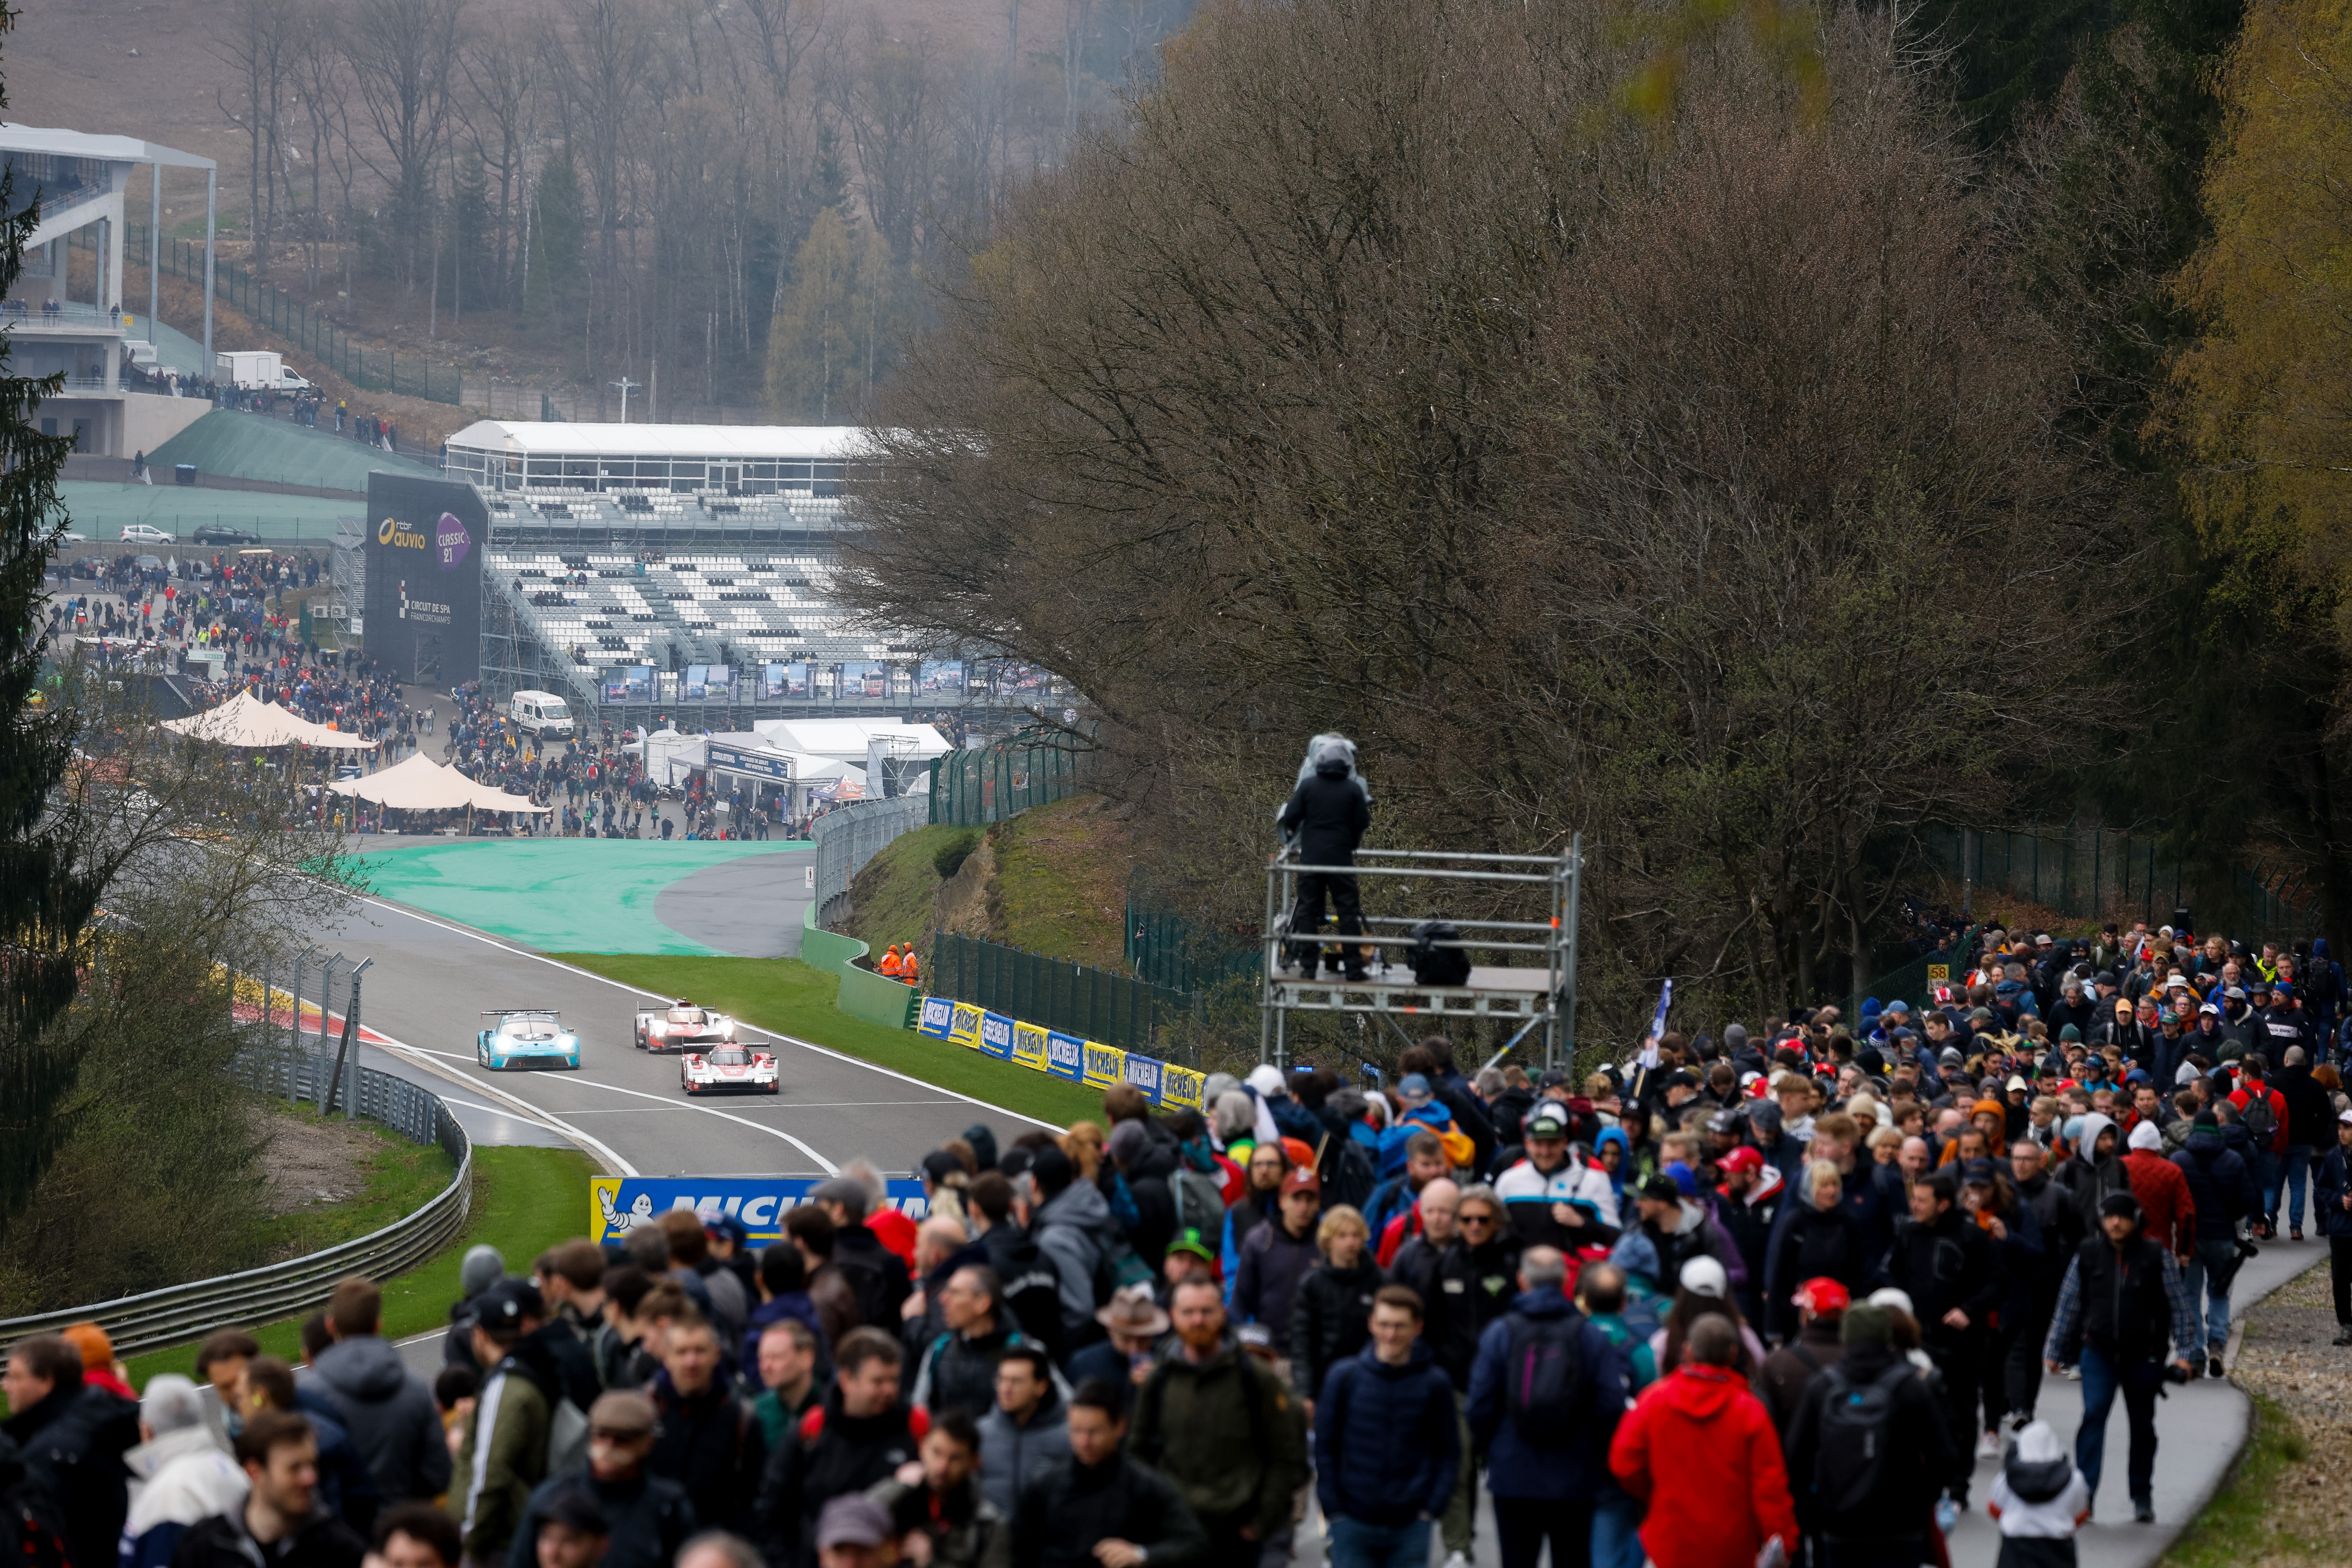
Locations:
column 110, row 405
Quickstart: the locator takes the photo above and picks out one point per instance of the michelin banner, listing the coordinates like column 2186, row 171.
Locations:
column 1095, row 1065
column 619, row 1205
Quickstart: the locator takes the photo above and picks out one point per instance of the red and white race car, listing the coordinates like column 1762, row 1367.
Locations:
column 726, row 1068
column 682, row 1026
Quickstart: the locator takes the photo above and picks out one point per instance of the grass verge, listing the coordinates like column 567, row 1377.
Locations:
column 402, row 1178
column 2242, row 1517
column 789, row 997
column 525, row 1201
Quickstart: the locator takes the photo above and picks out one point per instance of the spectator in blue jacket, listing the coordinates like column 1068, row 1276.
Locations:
column 1386, row 1446
column 1546, row 1482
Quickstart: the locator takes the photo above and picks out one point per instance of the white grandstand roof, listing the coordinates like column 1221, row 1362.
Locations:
column 62, row 144
column 754, row 441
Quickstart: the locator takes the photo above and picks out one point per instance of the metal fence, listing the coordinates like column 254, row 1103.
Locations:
column 1165, row 948
column 181, row 1312
column 984, row 785
column 1910, row 982
column 849, row 835
column 2096, row 872
column 1091, row 1003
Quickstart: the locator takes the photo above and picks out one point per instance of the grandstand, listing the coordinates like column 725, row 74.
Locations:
column 661, row 570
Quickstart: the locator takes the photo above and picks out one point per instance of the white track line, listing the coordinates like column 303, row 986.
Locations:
column 952, row 1095
column 585, row 1139
column 830, row 1168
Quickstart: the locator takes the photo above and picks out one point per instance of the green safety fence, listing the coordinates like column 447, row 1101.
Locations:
column 1036, row 767
column 2094, row 872
column 374, row 370
column 1090, row 1003
column 1167, row 948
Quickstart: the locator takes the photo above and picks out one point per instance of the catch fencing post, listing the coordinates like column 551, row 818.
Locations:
column 350, row 1033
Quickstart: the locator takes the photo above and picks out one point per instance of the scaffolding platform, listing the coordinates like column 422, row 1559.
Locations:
column 1536, row 994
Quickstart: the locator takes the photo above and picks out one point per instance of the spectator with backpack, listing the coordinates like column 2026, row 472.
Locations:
column 1546, row 1392
column 1223, row 1427
column 503, row 1455
column 1868, row 1452
column 877, row 1277
column 2262, row 1111
column 1699, row 1452
column 1070, row 1224
column 1387, row 1445
column 957, row 1371
column 1821, row 1308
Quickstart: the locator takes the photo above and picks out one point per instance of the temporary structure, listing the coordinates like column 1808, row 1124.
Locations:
column 422, row 784
column 245, row 721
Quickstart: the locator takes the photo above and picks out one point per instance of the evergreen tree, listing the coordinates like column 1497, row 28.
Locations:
column 556, row 273
column 2007, row 55
column 466, row 266
column 47, row 899
column 844, row 308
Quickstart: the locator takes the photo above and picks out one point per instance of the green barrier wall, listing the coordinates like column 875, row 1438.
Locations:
column 876, row 998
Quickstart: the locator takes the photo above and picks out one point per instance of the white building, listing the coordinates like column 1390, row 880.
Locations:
column 80, row 181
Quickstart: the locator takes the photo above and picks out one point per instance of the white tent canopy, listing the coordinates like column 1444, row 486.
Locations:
column 422, row 784
column 245, row 721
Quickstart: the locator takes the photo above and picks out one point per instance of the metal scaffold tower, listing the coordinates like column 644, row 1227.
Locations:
column 1538, row 991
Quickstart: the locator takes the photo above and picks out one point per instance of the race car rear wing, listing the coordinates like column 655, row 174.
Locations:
column 514, row 1011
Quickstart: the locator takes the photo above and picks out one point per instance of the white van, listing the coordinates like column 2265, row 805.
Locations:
column 542, row 713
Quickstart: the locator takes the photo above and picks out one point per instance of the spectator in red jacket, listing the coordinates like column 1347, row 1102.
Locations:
column 1700, row 1454
column 2163, row 1193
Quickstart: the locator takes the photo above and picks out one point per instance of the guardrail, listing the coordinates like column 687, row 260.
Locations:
column 181, row 1312
column 847, row 836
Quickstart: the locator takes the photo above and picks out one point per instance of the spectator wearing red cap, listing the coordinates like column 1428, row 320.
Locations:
column 1820, row 1305
column 1750, row 1196
column 1276, row 1256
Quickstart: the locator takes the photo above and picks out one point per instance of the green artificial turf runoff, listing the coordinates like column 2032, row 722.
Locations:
column 525, row 1201
column 402, row 1178
column 578, row 895
column 789, row 997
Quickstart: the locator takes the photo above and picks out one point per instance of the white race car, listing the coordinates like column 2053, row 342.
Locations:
column 682, row 1026
column 726, row 1068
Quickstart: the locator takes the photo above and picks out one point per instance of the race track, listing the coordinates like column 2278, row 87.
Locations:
column 432, row 976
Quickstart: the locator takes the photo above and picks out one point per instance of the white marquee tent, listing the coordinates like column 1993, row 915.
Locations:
column 245, row 721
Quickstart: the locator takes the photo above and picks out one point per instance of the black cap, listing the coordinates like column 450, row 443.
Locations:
column 1661, row 1187
column 575, row 1508
column 2122, row 1203
column 506, row 1304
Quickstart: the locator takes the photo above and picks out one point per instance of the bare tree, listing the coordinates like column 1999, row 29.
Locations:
column 254, row 39
column 403, row 55
column 504, row 75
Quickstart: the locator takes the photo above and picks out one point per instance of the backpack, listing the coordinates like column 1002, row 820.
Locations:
column 1434, row 965
column 2258, row 1118
column 1199, row 1201
column 1352, row 1177
column 1031, row 1291
column 1543, row 1378
column 567, row 1438
column 1857, row 1438
column 868, row 1276
column 1117, row 1266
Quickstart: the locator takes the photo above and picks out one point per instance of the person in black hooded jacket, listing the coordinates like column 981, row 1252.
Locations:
column 1327, row 815
column 1955, row 1278
column 710, row 1442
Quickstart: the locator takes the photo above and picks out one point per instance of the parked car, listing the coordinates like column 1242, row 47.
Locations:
column 146, row 533
column 221, row 533
column 88, row 566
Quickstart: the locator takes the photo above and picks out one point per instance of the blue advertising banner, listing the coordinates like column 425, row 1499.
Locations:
column 1143, row 1073
column 619, row 1205
column 996, row 1036
column 1066, row 1055
column 938, row 1018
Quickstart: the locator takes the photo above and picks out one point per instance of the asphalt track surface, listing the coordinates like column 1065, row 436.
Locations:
column 432, row 976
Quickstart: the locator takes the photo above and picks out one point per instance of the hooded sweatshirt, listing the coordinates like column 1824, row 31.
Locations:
column 2089, row 1180
column 391, row 1417
column 1700, row 1452
column 1069, row 1229
column 184, row 1477
column 2039, row 1494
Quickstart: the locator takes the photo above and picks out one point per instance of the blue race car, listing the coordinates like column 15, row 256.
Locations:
column 526, row 1037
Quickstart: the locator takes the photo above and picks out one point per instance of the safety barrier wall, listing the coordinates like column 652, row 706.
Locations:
column 182, row 1313
column 876, row 998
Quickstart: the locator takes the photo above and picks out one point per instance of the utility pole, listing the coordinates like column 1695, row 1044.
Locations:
column 623, row 386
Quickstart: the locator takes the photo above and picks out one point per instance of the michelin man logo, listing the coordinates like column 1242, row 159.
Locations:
column 641, row 1213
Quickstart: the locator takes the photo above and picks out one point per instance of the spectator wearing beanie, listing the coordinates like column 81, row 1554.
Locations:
column 2168, row 1211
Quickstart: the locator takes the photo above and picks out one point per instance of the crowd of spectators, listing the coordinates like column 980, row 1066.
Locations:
column 1746, row 1296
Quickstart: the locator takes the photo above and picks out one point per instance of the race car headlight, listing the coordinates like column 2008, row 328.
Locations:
column 727, row 1028
column 661, row 1028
